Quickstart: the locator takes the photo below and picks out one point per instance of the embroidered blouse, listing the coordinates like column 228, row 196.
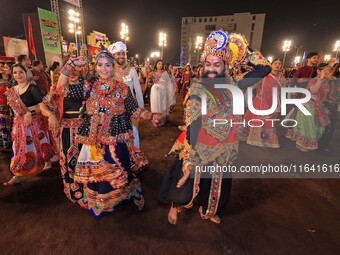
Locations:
column 109, row 107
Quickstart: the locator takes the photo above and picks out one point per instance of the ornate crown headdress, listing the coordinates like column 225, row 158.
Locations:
column 231, row 48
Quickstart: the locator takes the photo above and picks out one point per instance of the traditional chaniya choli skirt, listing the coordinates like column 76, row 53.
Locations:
column 106, row 173
column 32, row 146
column 308, row 130
column 262, row 134
column 69, row 152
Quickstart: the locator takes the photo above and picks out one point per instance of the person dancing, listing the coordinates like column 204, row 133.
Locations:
column 62, row 108
column 108, row 157
column 202, row 145
column 264, row 136
column 32, row 143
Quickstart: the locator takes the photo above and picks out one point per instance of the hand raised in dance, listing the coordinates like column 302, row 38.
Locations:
column 78, row 61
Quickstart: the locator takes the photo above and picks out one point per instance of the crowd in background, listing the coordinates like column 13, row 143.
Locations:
column 311, row 133
column 66, row 114
column 162, row 82
column 180, row 77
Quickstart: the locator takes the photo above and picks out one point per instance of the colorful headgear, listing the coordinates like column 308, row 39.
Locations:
column 231, row 48
column 117, row 47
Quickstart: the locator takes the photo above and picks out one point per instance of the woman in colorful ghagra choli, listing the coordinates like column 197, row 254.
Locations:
column 32, row 146
column 62, row 106
column 108, row 158
column 265, row 135
column 186, row 76
column 310, row 128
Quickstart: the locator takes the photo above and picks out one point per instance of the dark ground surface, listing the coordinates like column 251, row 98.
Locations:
column 264, row 216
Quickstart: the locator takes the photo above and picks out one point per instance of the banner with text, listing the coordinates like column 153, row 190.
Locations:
column 49, row 31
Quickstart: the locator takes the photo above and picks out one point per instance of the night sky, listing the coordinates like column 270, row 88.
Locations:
column 315, row 25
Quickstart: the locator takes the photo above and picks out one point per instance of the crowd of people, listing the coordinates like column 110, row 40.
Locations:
column 86, row 116
column 311, row 132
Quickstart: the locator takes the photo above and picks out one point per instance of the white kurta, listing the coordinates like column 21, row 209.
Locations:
column 132, row 81
column 159, row 95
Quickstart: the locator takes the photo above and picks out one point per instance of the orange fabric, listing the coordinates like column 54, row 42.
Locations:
column 182, row 136
column 206, row 139
column 60, row 101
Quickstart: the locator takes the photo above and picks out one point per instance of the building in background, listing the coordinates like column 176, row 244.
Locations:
column 251, row 25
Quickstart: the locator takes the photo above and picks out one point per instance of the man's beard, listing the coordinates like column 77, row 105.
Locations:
column 217, row 75
column 120, row 61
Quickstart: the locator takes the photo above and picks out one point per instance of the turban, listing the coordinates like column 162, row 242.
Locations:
column 117, row 47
